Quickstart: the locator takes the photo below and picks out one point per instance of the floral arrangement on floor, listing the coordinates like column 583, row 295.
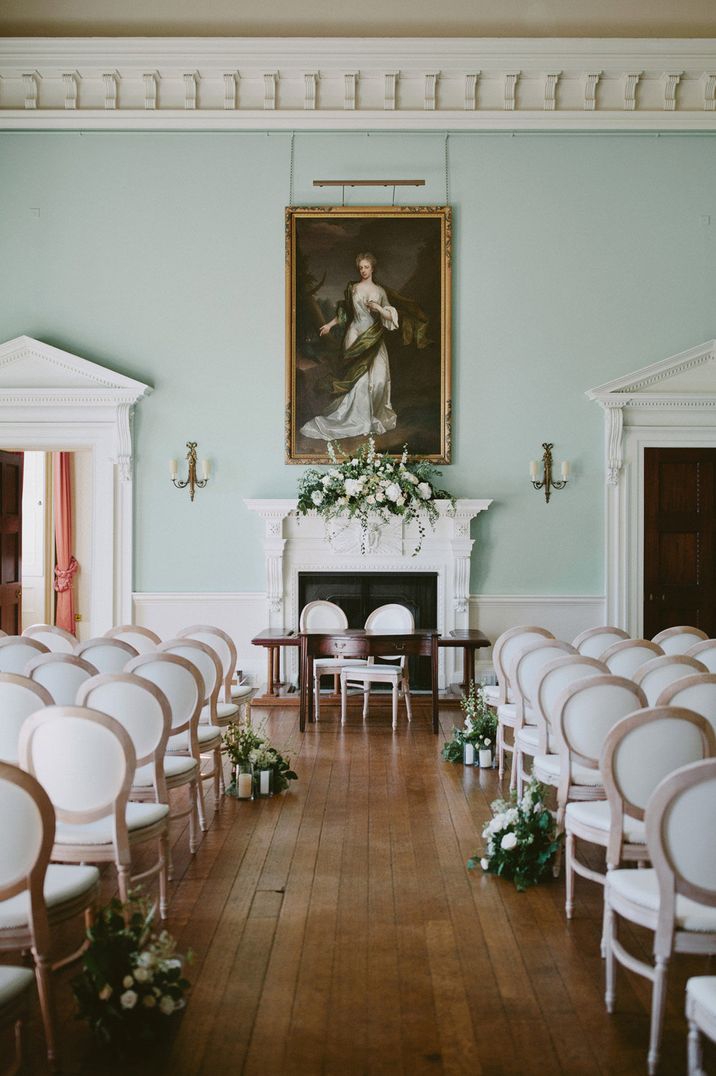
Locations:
column 521, row 838
column 480, row 728
column 371, row 485
column 244, row 745
column 132, row 978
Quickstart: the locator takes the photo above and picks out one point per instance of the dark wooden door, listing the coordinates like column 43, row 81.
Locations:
column 11, row 542
column 679, row 539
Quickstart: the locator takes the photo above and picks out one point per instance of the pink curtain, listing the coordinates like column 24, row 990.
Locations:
column 66, row 565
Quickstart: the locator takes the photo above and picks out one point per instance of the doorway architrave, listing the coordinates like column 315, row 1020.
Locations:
column 54, row 401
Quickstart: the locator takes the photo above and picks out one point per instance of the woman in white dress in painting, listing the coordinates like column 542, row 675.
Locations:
column 360, row 385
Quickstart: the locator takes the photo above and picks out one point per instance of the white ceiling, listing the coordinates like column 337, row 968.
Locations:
column 370, row 18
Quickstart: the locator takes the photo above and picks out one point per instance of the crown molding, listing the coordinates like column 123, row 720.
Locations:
column 306, row 83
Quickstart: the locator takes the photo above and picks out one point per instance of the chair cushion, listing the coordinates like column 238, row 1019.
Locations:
column 702, row 990
column 596, row 813
column 62, row 883
column 581, row 775
column 641, row 887
column 336, row 664
column 174, row 766
column 206, row 734
column 13, row 983
column 507, row 713
column 528, row 736
column 240, row 691
column 139, row 815
column 373, row 672
column 225, row 711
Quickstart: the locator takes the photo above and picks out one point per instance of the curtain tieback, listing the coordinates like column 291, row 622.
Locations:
column 64, row 576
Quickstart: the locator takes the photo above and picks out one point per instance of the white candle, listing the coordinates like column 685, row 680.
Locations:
column 469, row 754
column 173, row 468
column 486, row 757
column 264, row 778
column 205, row 468
column 533, row 469
column 565, row 469
column 245, row 783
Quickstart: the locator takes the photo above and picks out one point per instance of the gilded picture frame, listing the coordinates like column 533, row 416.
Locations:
column 368, row 346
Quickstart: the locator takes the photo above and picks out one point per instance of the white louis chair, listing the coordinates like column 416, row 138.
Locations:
column 183, row 687
column 85, row 760
column 142, row 639
column 676, row 898
column 507, row 648
column 228, row 706
column 19, row 697
column 527, row 672
column 697, row 692
column 16, row 651
column 594, row 641
column 60, row 674
column 638, row 752
column 392, row 618
column 705, row 652
column 326, row 616
column 35, row 898
column 55, row 639
column 656, row 675
column 626, row 656
column 701, row 1016
column 679, row 640
column 206, row 661
column 107, row 655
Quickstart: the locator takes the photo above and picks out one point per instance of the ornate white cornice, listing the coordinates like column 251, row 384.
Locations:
column 365, row 83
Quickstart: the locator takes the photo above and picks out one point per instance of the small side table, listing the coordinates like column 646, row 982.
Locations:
column 470, row 640
column 272, row 639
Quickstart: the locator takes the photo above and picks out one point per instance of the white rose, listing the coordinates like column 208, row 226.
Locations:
column 401, row 499
column 127, row 982
column 411, row 478
column 379, row 496
column 485, row 864
column 487, row 741
column 149, row 1001
column 128, row 999
column 370, row 498
column 392, row 492
column 145, row 959
column 352, row 487
column 167, row 1005
column 498, row 822
column 142, row 975
column 508, row 842
column 354, row 463
column 105, row 993
column 327, row 479
column 425, row 491
column 317, row 497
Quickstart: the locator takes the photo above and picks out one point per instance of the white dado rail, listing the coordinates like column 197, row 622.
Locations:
column 295, row 544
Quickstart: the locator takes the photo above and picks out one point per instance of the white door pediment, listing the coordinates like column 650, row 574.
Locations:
column 31, row 365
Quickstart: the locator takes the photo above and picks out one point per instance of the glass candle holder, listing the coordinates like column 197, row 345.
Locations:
column 244, row 781
column 263, row 783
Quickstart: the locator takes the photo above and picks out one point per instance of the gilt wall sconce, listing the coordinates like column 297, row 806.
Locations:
column 547, row 483
column 191, row 480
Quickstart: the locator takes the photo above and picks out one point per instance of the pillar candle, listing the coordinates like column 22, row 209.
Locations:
column 245, row 783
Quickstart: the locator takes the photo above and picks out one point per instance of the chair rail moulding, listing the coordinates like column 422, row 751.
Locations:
column 293, row 544
column 357, row 84
column 51, row 400
column 671, row 403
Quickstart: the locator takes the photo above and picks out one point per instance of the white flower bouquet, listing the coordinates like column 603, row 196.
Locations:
column 373, row 485
column 521, row 838
column 132, row 978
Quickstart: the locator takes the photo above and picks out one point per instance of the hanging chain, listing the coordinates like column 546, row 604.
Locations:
column 290, row 171
column 447, row 170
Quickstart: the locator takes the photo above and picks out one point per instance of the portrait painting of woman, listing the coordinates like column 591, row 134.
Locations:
column 368, row 330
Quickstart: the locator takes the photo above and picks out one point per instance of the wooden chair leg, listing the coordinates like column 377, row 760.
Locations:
column 43, row 971
column 610, row 933
column 344, row 698
column 163, row 861
column 366, row 697
column 193, row 816
column 569, row 875
column 123, row 877
column 201, row 806
column 694, row 1050
column 395, row 703
column 406, row 695
column 217, row 778
column 316, row 697
column 658, row 1003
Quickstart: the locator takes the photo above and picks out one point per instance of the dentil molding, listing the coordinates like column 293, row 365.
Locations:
column 366, row 83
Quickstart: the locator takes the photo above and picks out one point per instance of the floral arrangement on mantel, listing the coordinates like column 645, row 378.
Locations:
column 370, row 486
column 242, row 744
column 132, row 978
column 521, row 838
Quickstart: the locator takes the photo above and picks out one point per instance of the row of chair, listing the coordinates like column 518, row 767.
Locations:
column 96, row 773
column 608, row 732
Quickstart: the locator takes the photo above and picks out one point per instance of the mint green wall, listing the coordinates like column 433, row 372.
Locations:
column 577, row 258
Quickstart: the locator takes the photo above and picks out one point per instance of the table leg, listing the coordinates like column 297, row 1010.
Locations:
column 435, row 679
column 303, row 699
column 269, row 682
column 277, row 666
column 469, row 666
column 309, row 689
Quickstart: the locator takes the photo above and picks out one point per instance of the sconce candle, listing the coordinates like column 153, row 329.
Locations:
column 173, row 468
column 565, row 469
column 547, row 483
column 533, row 469
column 205, row 469
column 191, row 481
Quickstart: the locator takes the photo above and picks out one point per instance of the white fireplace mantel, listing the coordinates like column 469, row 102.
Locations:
column 294, row 544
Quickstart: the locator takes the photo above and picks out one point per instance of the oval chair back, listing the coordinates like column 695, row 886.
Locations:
column 206, row 661
column 224, row 646
column 107, row 655
column 322, row 616
column 587, row 710
column 556, row 677
column 55, row 639
column 19, row 697
column 61, row 675
column 392, row 618
column 625, row 657
column 642, row 749
column 181, row 684
column 16, row 651
column 26, row 845
column 657, row 674
column 705, row 652
column 594, row 641
column 529, row 667
column 697, row 692
column 142, row 639
column 507, row 648
column 680, row 639
column 142, row 709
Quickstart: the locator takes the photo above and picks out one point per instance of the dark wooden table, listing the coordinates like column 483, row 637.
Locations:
column 470, row 640
column 272, row 639
column 357, row 643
